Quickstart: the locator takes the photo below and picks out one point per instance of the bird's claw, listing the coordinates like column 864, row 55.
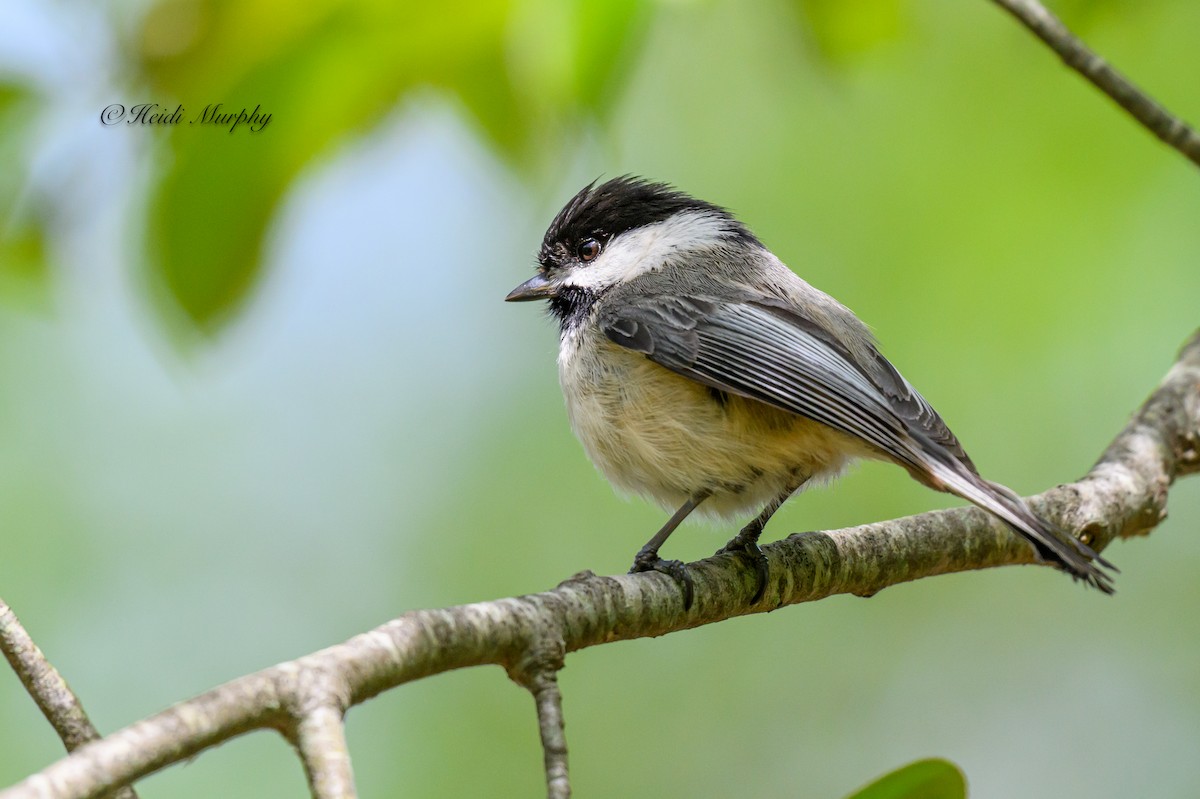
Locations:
column 675, row 569
column 748, row 548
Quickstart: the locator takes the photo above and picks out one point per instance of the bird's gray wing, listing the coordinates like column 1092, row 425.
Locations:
column 776, row 356
column 913, row 408
column 903, row 398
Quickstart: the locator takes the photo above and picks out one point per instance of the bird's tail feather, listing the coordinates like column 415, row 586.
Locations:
column 1070, row 554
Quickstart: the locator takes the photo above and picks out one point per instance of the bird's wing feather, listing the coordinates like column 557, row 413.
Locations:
column 902, row 397
column 907, row 402
column 757, row 351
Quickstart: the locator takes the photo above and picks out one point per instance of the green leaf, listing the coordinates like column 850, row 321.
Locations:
column 23, row 267
column 843, row 31
column 321, row 71
column 924, row 779
column 568, row 55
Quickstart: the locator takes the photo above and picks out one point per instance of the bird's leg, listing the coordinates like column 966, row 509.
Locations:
column 746, row 541
column 647, row 558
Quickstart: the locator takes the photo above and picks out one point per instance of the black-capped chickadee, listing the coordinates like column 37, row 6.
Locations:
column 700, row 372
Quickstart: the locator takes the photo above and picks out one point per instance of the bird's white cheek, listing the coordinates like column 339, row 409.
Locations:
column 616, row 266
column 646, row 249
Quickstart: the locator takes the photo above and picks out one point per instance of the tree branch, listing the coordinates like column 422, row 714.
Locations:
column 49, row 690
column 538, row 673
column 1123, row 495
column 1158, row 120
column 321, row 743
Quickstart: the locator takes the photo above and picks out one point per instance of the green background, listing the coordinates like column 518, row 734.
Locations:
column 259, row 392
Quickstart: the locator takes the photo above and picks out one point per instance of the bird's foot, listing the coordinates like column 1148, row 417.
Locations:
column 648, row 560
column 745, row 544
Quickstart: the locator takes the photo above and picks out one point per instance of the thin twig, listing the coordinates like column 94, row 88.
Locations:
column 538, row 673
column 552, row 728
column 321, row 742
column 1157, row 119
column 49, row 690
column 1124, row 495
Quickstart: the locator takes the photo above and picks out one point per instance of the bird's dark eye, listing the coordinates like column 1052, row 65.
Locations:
column 588, row 250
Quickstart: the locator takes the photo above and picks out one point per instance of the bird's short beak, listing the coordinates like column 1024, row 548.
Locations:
column 535, row 288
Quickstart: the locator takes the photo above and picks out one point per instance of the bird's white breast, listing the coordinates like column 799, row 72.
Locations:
column 663, row 436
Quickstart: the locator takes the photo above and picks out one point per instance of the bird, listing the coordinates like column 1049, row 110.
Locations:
column 703, row 374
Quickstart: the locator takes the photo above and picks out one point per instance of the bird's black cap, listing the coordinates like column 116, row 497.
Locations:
column 622, row 204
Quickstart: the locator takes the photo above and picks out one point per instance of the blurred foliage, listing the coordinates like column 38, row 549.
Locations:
column 925, row 779
column 22, row 233
column 843, row 30
column 528, row 71
column 379, row 432
column 331, row 69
